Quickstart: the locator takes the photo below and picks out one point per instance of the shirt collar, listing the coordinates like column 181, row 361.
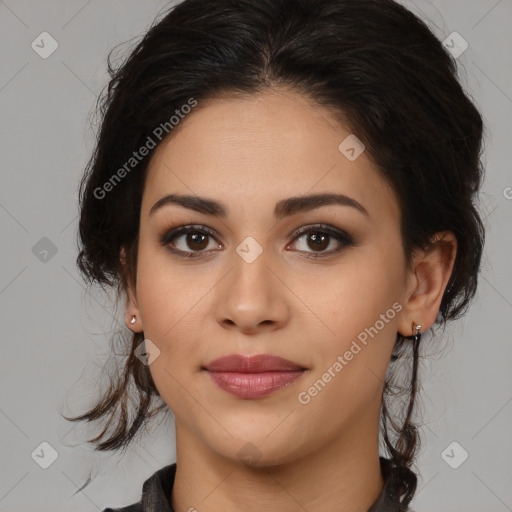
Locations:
column 157, row 489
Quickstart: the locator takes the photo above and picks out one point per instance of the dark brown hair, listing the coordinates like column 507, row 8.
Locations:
column 372, row 62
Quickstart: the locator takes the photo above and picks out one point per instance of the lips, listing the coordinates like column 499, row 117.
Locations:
column 252, row 364
column 254, row 376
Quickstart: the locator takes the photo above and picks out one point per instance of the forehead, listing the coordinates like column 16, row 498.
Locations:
column 255, row 150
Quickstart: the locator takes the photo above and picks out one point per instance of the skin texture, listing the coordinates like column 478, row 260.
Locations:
column 248, row 153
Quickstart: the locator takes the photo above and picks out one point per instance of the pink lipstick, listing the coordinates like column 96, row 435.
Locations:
column 253, row 376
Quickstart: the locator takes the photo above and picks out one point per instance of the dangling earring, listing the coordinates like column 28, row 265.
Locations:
column 416, row 336
column 133, row 320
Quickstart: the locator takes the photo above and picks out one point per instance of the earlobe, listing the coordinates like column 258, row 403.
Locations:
column 132, row 316
column 429, row 275
column 133, row 322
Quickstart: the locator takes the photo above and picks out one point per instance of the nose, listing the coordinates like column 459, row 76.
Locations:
column 253, row 296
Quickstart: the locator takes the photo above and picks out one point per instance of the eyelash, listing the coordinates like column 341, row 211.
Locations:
column 324, row 229
column 344, row 238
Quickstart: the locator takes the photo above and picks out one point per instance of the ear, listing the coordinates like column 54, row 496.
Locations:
column 132, row 308
column 426, row 282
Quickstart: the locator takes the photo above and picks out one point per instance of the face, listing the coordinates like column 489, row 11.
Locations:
column 329, row 298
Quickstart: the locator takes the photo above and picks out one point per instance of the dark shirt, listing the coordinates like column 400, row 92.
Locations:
column 157, row 489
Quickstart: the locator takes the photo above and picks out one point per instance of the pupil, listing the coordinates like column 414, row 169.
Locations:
column 319, row 241
column 195, row 238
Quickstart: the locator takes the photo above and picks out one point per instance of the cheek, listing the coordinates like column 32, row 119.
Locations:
column 351, row 360
column 351, row 298
column 164, row 291
column 169, row 301
column 355, row 310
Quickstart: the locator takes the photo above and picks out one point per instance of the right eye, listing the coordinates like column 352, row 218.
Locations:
column 192, row 237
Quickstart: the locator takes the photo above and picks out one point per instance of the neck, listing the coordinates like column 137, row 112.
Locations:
column 343, row 475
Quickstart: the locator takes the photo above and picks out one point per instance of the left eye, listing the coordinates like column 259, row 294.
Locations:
column 319, row 238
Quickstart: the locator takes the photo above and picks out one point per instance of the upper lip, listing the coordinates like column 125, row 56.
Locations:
column 252, row 364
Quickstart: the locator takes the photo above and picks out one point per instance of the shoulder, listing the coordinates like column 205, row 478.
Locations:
column 156, row 489
column 136, row 507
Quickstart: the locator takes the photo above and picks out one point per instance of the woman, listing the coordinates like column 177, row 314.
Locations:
column 283, row 191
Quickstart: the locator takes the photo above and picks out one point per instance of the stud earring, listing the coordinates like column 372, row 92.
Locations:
column 133, row 320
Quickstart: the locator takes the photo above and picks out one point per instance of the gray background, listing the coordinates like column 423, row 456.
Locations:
column 55, row 334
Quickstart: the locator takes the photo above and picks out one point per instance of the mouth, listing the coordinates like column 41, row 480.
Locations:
column 253, row 377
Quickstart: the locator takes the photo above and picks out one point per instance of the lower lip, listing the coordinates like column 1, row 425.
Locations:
column 254, row 385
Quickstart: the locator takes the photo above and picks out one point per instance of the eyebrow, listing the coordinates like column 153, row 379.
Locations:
column 283, row 208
